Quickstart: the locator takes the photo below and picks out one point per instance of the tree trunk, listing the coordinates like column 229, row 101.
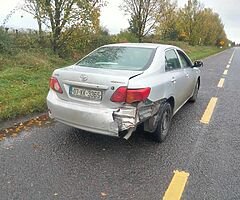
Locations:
column 56, row 39
column 139, row 38
column 54, row 43
column 40, row 32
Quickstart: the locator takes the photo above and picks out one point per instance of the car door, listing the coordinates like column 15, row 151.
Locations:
column 189, row 72
column 176, row 77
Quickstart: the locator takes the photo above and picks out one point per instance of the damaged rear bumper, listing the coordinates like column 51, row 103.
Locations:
column 89, row 118
column 102, row 120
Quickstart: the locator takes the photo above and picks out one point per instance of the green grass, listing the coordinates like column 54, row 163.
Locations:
column 24, row 82
column 200, row 52
column 24, row 78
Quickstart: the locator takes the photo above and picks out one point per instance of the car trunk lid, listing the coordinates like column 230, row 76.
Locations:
column 91, row 85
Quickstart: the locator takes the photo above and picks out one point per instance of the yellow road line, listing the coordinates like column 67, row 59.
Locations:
column 221, row 82
column 177, row 185
column 209, row 111
column 227, row 66
column 225, row 72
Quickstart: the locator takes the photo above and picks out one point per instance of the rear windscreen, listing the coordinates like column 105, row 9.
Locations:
column 119, row 58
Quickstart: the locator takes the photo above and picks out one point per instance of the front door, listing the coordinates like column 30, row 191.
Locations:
column 190, row 73
column 177, row 77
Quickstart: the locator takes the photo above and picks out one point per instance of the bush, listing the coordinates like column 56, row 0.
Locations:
column 5, row 42
column 125, row 36
column 81, row 44
column 29, row 39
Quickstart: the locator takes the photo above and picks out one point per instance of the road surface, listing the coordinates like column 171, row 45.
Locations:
column 55, row 161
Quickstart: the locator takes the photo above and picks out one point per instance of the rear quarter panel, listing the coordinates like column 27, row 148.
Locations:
column 155, row 78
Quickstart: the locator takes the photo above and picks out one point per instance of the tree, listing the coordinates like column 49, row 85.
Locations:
column 199, row 25
column 62, row 16
column 166, row 27
column 144, row 15
column 190, row 21
column 213, row 28
column 33, row 7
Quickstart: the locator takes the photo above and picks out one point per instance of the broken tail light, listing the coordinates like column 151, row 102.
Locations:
column 54, row 84
column 122, row 94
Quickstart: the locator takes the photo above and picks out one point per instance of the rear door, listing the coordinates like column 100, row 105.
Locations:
column 176, row 76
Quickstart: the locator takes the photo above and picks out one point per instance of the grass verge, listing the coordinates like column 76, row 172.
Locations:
column 24, row 78
column 24, row 82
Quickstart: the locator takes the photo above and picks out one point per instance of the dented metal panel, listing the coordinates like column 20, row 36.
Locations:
column 130, row 116
column 126, row 117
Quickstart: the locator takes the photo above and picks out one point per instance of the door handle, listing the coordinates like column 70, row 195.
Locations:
column 173, row 80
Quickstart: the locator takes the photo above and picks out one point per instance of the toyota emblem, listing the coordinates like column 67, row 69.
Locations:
column 83, row 77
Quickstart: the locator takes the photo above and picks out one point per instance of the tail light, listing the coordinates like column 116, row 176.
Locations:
column 54, row 84
column 122, row 94
column 137, row 95
column 119, row 95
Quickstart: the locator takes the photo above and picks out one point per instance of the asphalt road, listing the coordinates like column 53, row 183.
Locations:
column 55, row 161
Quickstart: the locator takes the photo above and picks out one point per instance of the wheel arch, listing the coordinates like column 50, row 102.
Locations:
column 171, row 101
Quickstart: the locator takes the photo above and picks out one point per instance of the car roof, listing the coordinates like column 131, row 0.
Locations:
column 143, row 45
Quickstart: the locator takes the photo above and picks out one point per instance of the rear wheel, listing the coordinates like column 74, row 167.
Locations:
column 165, row 118
column 195, row 93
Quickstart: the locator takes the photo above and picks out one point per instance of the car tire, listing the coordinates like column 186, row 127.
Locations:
column 164, row 122
column 195, row 93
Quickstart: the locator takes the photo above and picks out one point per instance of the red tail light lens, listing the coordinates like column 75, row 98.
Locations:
column 137, row 95
column 54, row 84
column 122, row 94
column 119, row 95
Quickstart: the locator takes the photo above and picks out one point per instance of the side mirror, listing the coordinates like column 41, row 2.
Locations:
column 198, row 63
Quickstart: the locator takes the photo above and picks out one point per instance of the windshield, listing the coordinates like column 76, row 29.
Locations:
column 119, row 58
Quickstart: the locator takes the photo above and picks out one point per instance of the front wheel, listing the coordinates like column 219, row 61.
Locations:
column 164, row 122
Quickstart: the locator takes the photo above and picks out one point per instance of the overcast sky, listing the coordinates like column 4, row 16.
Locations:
column 114, row 20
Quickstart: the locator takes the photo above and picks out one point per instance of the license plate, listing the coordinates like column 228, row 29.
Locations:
column 85, row 93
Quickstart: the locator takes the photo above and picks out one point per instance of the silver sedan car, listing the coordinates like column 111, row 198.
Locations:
column 117, row 87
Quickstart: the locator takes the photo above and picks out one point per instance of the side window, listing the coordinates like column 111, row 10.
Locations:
column 184, row 59
column 171, row 61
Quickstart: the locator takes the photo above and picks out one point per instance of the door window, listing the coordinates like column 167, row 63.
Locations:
column 171, row 61
column 184, row 59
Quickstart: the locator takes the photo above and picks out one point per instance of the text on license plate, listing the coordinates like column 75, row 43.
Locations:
column 85, row 93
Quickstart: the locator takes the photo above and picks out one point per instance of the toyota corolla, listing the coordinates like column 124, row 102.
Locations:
column 117, row 87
